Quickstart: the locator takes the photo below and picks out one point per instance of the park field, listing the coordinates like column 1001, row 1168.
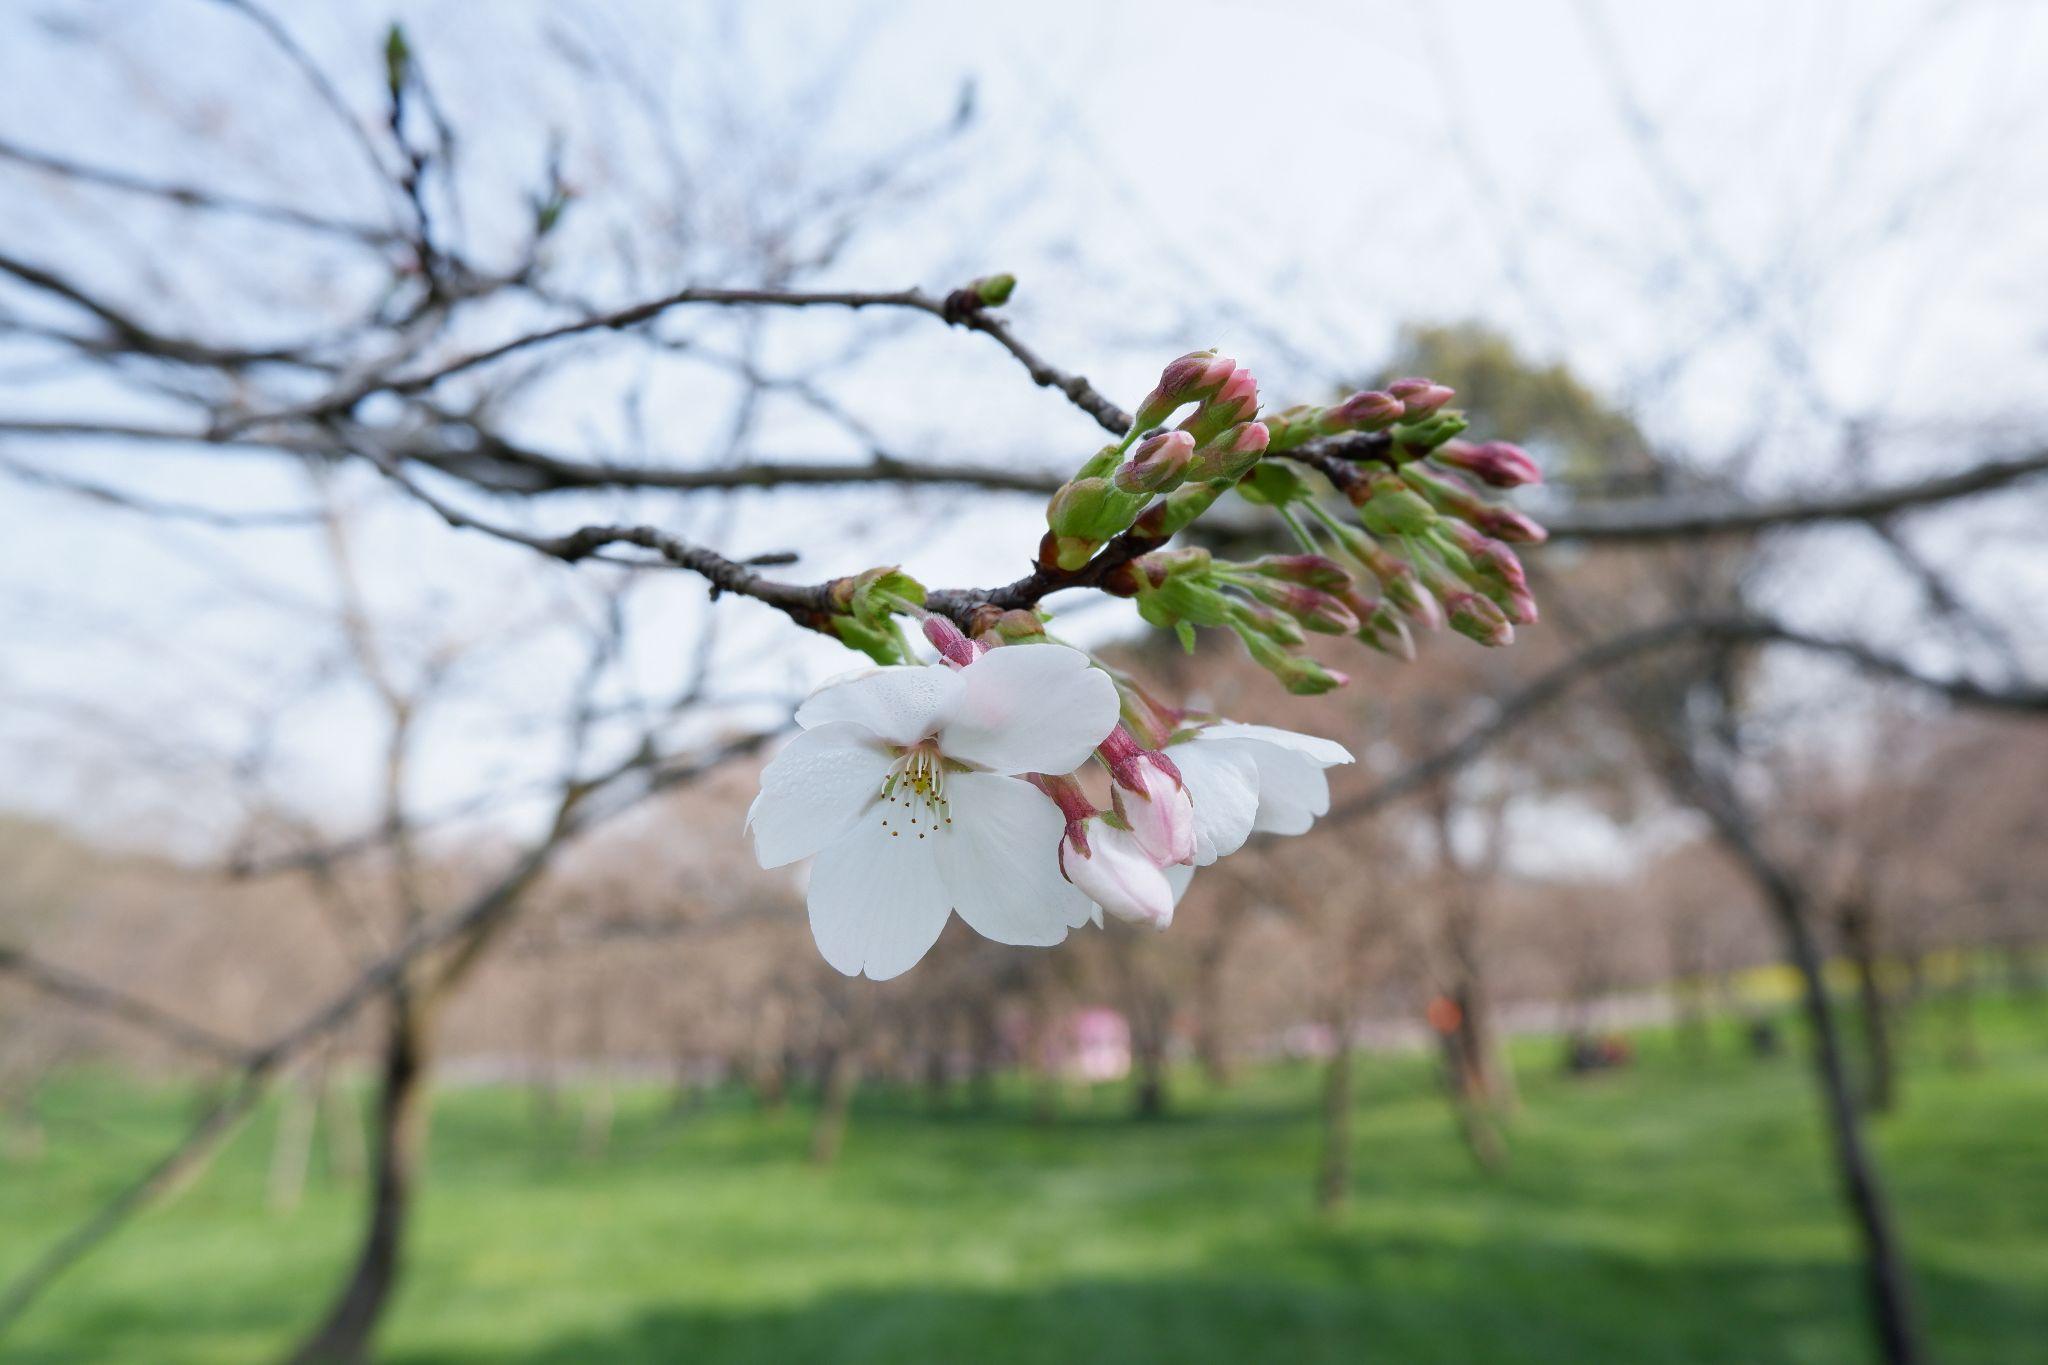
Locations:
column 1678, row 1211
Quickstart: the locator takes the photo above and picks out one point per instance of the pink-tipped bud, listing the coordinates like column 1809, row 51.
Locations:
column 1193, row 378
column 1311, row 571
column 1505, row 523
column 953, row 646
column 1322, row 612
column 1420, row 395
column 1369, row 410
column 1150, row 798
column 1478, row 618
column 1231, row 454
column 1109, row 867
column 1498, row 464
column 1159, row 465
column 1238, row 400
column 1423, row 401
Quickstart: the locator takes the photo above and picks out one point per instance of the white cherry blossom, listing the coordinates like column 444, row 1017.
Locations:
column 904, row 784
column 1246, row 778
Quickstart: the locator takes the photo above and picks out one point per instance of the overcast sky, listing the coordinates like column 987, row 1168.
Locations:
column 1747, row 223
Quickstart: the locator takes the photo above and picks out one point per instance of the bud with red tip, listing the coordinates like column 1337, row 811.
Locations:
column 1453, row 497
column 953, row 646
column 1316, row 610
column 1193, row 378
column 1420, row 397
column 1230, row 455
column 1497, row 464
column 1150, row 798
column 1311, row 571
column 1237, row 401
column 1159, row 465
column 1367, row 410
column 1304, row 677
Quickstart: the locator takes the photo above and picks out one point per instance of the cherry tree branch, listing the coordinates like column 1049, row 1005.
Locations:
column 1525, row 703
column 62, row 984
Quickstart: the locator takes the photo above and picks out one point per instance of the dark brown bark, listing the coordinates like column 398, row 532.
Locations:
column 1880, row 1079
column 1887, row 1281
column 346, row 1333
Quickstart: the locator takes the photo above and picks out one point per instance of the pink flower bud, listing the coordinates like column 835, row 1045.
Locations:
column 1238, row 399
column 1505, row 523
column 1158, row 810
column 1110, row 868
column 1159, row 465
column 1423, row 401
column 1311, row 571
column 952, row 645
column 1194, row 378
column 1420, row 397
column 1231, row 454
column 1478, row 618
column 1370, row 410
column 1497, row 464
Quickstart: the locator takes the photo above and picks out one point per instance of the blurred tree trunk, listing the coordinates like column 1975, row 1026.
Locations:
column 1965, row 1051
column 835, row 1102
column 1333, row 1172
column 984, row 1044
column 1859, row 935
column 1148, row 1060
column 291, row 1148
column 346, row 1333
column 1886, row 1278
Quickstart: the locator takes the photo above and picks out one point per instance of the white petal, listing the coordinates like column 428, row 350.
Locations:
column 877, row 901
column 1118, row 876
column 1178, row 878
column 902, row 705
column 1001, row 860
column 1327, row 753
column 1223, row 781
column 1030, row 709
column 814, row 791
column 1292, row 790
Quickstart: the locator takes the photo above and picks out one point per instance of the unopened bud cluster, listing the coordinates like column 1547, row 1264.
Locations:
column 1186, row 468
column 1421, row 547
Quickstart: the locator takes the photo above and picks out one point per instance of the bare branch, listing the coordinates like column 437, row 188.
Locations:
column 77, row 990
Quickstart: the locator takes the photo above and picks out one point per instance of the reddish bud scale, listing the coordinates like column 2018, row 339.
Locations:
column 952, row 645
column 1311, row 571
column 1368, row 410
column 1193, row 378
column 1497, row 464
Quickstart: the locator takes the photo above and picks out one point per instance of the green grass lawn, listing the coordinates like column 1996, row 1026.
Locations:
column 1674, row 1212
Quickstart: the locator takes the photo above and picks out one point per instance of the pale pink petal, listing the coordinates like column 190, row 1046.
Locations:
column 1000, row 860
column 814, row 791
column 902, row 705
column 1030, row 709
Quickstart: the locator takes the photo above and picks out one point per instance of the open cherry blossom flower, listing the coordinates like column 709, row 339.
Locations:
column 1246, row 778
column 905, row 785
